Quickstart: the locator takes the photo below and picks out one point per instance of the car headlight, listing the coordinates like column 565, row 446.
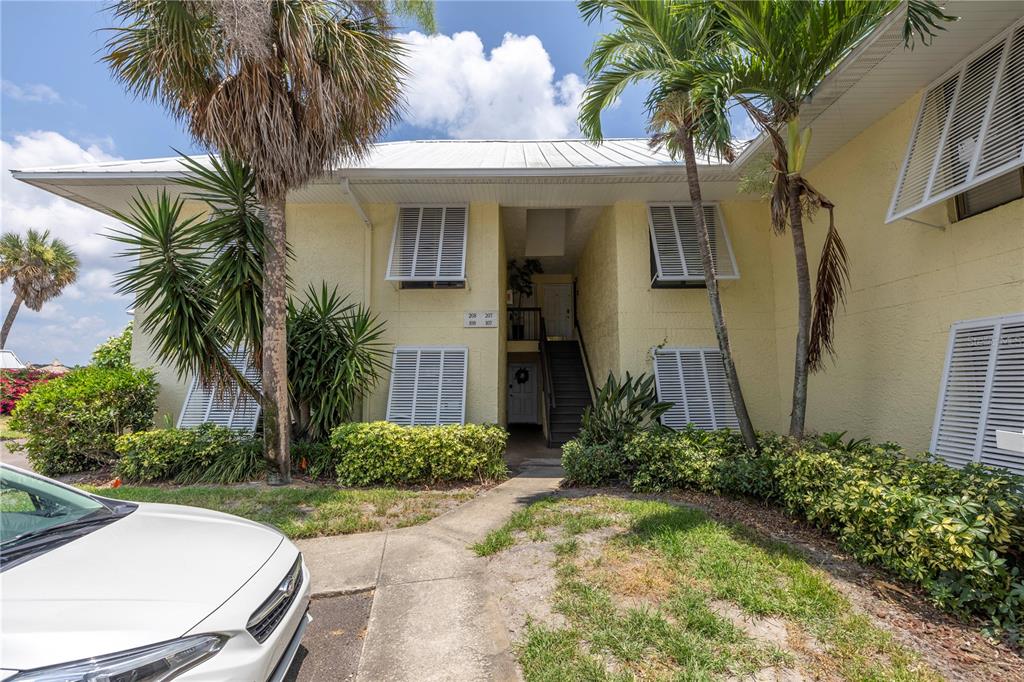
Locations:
column 154, row 663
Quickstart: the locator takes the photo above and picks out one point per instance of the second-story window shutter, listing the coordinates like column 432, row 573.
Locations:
column 233, row 408
column 429, row 244
column 969, row 128
column 982, row 392
column 677, row 249
column 693, row 379
column 428, row 386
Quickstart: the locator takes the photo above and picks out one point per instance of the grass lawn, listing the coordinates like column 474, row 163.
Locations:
column 6, row 433
column 654, row 591
column 306, row 511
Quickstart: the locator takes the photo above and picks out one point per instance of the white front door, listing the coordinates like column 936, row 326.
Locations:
column 522, row 393
column 557, row 310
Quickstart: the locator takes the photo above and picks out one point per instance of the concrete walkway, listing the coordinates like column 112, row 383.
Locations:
column 433, row 615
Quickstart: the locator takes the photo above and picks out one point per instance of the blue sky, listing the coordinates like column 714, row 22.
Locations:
column 495, row 69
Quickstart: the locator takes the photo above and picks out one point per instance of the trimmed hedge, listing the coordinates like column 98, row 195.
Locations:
column 206, row 454
column 381, row 453
column 592, row 464
column 73, row 421
column 959, row 533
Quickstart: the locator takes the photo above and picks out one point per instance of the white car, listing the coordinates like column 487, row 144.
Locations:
column 112, row 591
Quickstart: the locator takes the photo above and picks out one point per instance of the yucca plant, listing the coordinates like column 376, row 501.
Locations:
column 621, row 408
column 335, row 357
column 197, row 283
column 288, row 87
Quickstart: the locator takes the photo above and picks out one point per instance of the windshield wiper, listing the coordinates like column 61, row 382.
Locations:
column 98, row 518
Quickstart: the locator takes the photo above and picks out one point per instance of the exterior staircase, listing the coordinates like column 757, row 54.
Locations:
column 571, row 392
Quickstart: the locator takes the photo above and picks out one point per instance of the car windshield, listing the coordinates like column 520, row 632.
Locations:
column 31, row 505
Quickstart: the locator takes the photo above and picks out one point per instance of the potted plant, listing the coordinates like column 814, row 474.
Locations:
column 520, row 281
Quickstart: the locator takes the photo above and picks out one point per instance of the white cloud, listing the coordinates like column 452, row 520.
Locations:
column 511, row 93
column 88, row 311
column 30, row 92
column 25, row 206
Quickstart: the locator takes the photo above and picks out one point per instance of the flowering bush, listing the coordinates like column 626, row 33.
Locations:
column 15, row 383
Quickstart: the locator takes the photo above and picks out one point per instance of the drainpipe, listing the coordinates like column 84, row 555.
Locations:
column 353, row 201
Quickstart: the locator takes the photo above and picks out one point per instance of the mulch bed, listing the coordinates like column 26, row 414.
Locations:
column 955, row 649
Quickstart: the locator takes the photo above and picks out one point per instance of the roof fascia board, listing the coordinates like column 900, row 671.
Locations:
column 376, row 173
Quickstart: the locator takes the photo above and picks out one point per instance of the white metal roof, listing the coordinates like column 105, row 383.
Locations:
column 439, row 155
column 8, row 360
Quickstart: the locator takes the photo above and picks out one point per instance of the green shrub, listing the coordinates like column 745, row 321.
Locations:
column 115, row 352
column 957, row 533
column 387, row 454
column 712, row 461
column 73, row 421
column 206, row 454
column 591, row 464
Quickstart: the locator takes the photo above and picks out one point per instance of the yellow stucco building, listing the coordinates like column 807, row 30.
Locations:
column 930, row 341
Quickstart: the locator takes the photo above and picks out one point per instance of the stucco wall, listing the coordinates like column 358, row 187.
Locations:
column 908, row 284
column 597, row 302
column 434, row 317
column 680, row 317
column 329, row 243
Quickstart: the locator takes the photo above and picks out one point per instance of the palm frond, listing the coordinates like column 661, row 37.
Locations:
column 923, row 22
column 829, row 289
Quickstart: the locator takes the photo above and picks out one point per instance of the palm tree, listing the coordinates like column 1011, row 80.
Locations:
column 651, row 40
column 286, row 87
column 40, row 268
column 780, row 51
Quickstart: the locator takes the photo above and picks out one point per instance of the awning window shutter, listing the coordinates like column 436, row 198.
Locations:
column 677, row 249
column 429, row 244
column 428, row 386
column 693, row 379
column 969, row 128
column 233, row 408
column 982, row 392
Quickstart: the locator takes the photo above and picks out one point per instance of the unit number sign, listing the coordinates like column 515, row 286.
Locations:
column 481, row 318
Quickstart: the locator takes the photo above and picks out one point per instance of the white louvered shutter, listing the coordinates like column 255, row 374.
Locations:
column 982, row 392
column 677, row 249
column 969, row 128
column 693, row 379
column 233, row 408
column 429, row 244
column 428, row 386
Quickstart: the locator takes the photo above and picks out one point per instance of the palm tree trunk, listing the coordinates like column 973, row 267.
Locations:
column 276, row 417
column 711, row 280
column 803, row 328
column 9, row 320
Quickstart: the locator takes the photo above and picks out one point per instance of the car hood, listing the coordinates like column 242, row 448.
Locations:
column 148, row 577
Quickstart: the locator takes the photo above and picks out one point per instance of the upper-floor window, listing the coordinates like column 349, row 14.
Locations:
column 429, row 246
column 675, row 251
column 969, row 129
column 996, row 192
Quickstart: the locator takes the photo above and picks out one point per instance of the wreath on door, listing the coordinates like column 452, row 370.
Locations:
column 522, row 375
